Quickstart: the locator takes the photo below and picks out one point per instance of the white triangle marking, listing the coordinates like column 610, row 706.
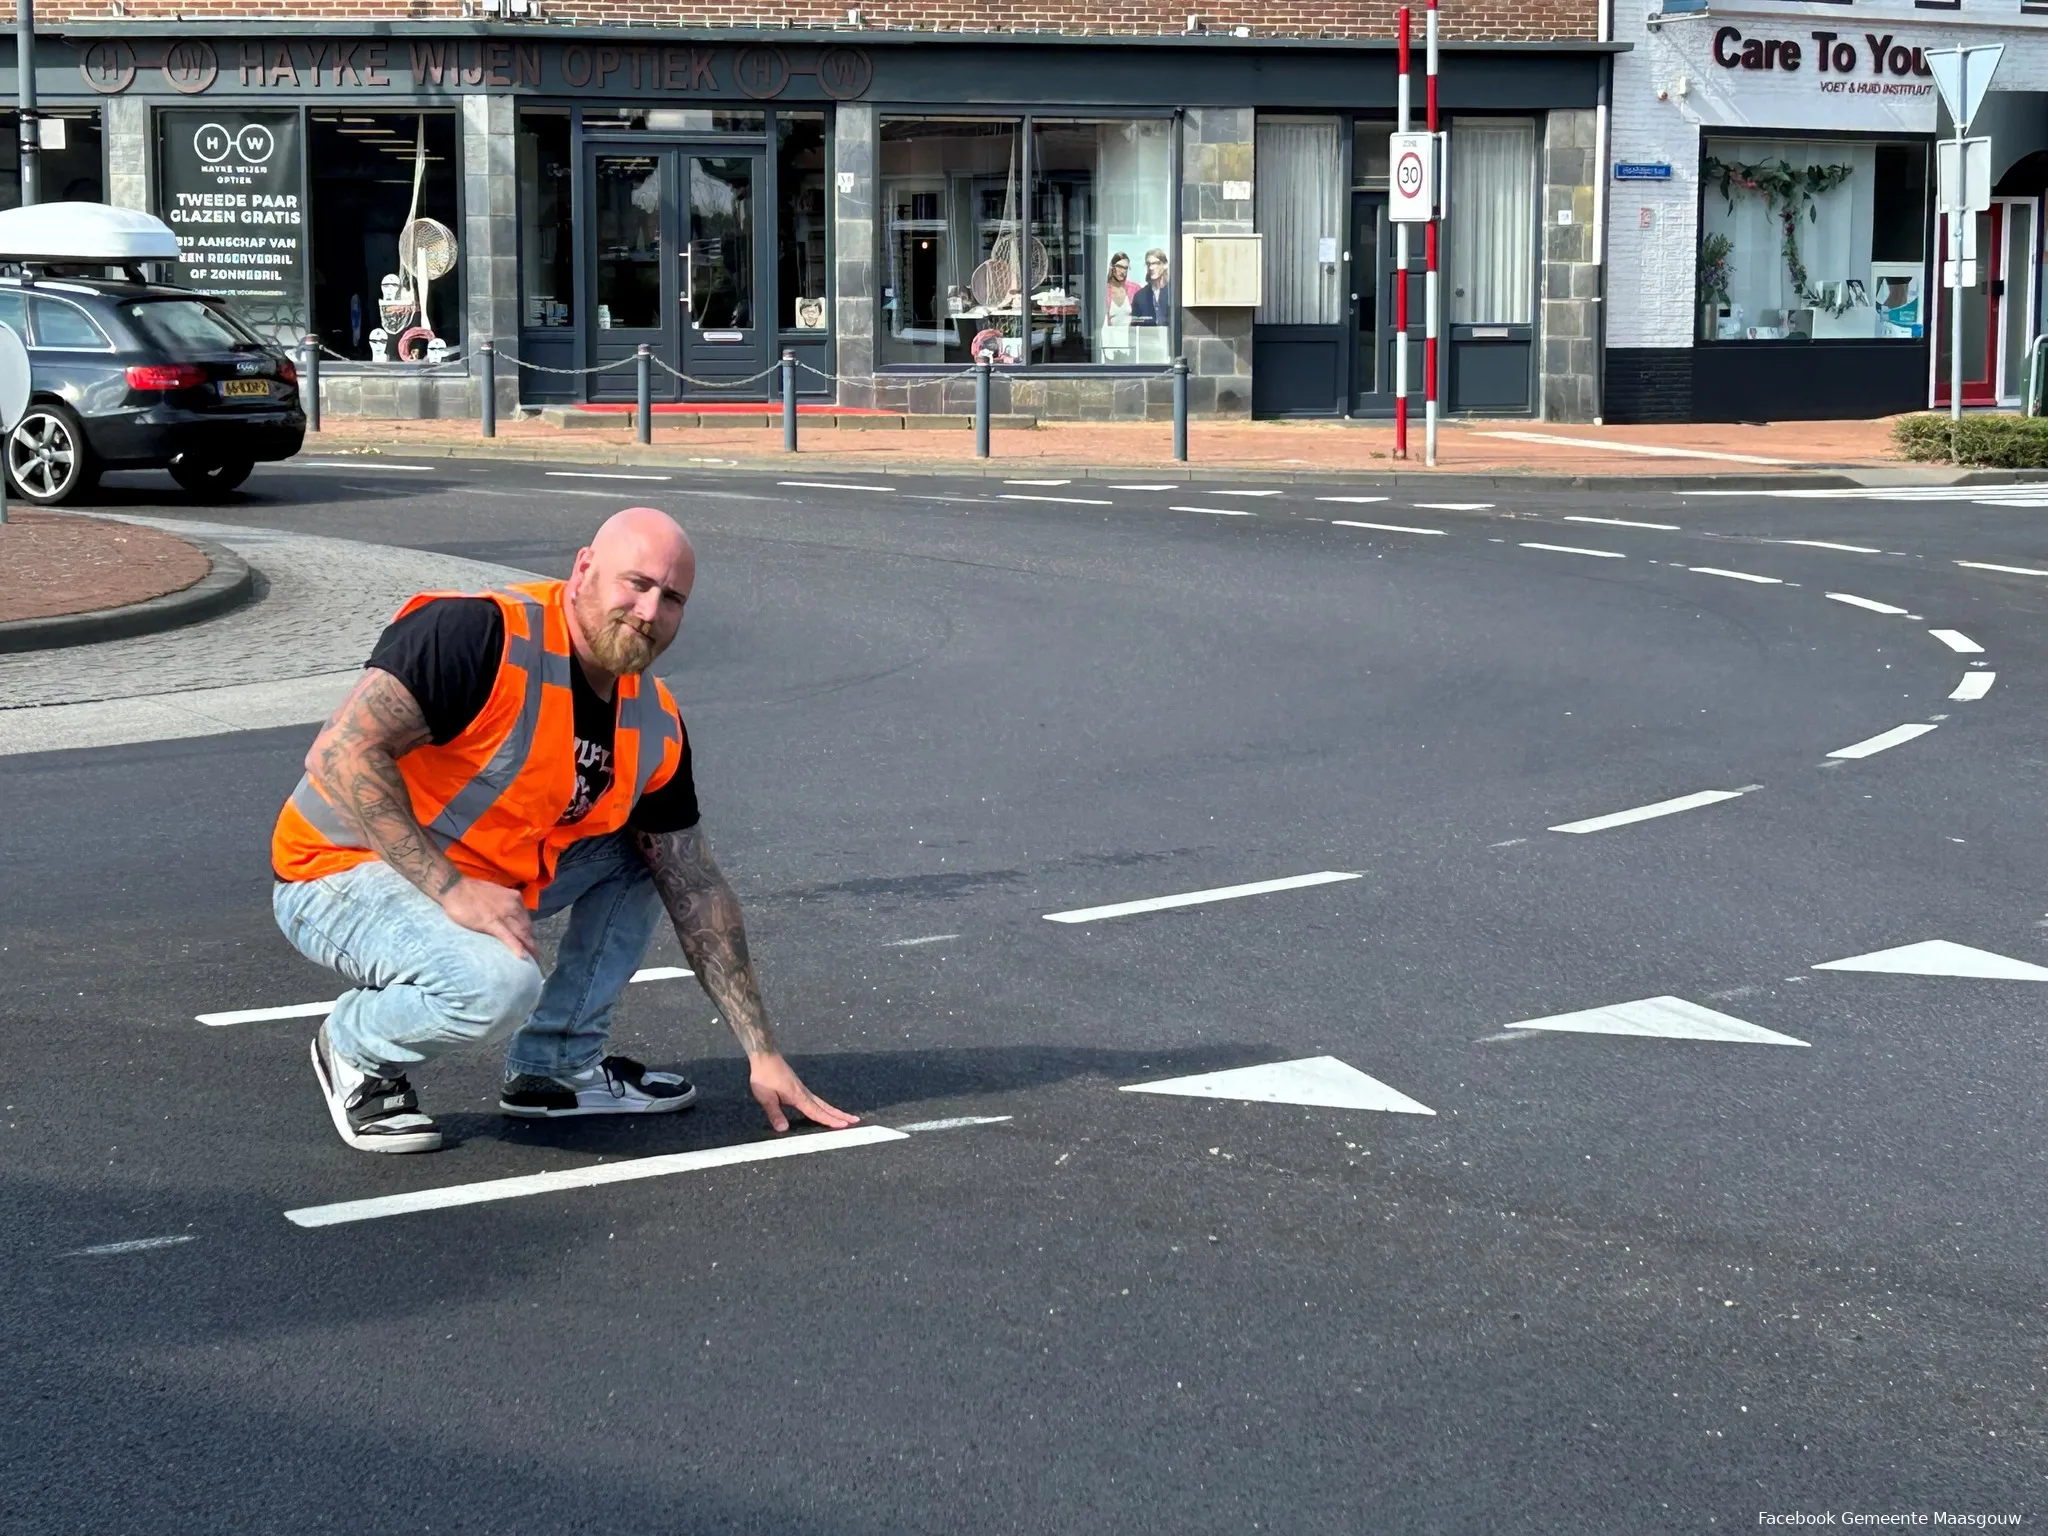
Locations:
column 1322, row 1081
column 1661, row 1018
column 1939, row 957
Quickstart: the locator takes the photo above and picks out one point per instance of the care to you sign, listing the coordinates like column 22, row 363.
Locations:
column 232, row 185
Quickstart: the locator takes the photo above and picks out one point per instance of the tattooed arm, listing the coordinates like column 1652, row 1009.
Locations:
column 707, row 920
column 354, row 765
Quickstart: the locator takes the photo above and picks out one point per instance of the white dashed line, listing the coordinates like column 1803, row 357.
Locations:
column 1214, row 492
column 1863, row 602
column 833, row 485
column 1957, row 641
column 321, row 1010
column 1038, row 482
column 592, row 474
column 1572, row 549
column 956, row 1123
column 586, row 1177
column 1355, row 501
column 133, row 1245
column 1199, row 898
column 1144, row 487
column 929, row 938
column 1651, row 812
column 1974, row 686
column 1848, row 549
column 1715, row 570
column 1434, row 533
column 1454, row 506
column 1622, row 522
column 2010, row 570
column 1216, row 511
column 1891, row 738
column 408, row 469
column 1065, row 501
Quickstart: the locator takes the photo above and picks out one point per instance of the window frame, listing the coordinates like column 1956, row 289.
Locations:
column 36, row 299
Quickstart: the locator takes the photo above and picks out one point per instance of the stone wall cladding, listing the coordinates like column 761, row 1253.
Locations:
column 1216, row 147
column 853, row 244
column 1571, row 275
column 1474, row 20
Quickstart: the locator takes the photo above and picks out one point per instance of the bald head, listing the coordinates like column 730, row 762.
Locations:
column 627, row 590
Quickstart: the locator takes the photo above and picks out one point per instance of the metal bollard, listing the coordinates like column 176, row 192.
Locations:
column 789, row 402
column 643, row 412
column 1180, row 410
column 981, row 373
column 309, row 381
column 487, row 358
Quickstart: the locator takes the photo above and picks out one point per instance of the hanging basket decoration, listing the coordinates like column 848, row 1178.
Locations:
column 1791, row 193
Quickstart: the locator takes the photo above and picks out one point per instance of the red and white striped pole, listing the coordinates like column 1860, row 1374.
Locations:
column 1400, row 267
column 1432, row 309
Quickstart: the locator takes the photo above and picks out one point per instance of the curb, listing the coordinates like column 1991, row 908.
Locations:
column 1819, row 477
column 229, row 582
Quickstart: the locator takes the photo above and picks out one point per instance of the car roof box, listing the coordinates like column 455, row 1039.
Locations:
column 86, row 233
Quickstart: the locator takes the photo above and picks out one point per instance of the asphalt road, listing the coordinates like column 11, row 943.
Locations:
column 1612, row 1283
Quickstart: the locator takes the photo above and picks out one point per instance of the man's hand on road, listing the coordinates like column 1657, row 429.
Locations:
column 778, row 1089
column 497, row 910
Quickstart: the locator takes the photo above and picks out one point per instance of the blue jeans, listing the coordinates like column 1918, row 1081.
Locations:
column 425, row 985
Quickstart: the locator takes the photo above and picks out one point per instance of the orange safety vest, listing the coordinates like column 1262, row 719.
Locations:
column 493, row 797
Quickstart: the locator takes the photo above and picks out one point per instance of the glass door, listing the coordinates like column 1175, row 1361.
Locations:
column 635, row 270
column 1980, row 305
column 726, row 333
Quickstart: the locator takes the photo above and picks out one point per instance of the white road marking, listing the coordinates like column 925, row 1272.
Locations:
column 921, row 496
column 588, row 1176
column 321, row 1010
column 1038, row 482
column 2010, row 570
column 1897, row 735
column 1957, row 641
column 1984, row 495
column 2008, row 501
column 1453, row 506
column 1715, row 570
column 554, row 490
column 929, row 938
column 1356, row 501
column 1321, row 1081
column 1065, row 501
column 1661, row 1018
column 1199, row 898
column 957, row 1123
column 1939, row 957
column 1850, row 549
column 133, row 1245
column 1144, row 487
column 1651, row 812
column 1864, row 602
column 1622, row 522
column 1570, row 549
column 1974, row 686
column 1215, row 492
column 593, row 474
column 1215, row 511
column 1434, row 533
column 411, row 469
column 834, row 485
column 1647, row 449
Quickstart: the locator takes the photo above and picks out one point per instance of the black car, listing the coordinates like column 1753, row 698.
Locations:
column 133, row 375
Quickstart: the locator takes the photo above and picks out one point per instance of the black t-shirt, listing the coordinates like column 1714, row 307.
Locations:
column 447, row 653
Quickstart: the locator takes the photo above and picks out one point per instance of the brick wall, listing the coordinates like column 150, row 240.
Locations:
column 1463, row 20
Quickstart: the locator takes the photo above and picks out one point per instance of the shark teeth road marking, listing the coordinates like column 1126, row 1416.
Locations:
column 321, row 1010
column 1661, row 1018
column 1321, row 1081
column 1940, row 957
column 1199, row 898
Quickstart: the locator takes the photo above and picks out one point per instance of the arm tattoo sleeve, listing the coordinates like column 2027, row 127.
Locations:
column 707, row 919
column 354, row 764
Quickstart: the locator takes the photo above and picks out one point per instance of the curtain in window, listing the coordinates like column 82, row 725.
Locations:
column 1489, row 231
column 1298, row 205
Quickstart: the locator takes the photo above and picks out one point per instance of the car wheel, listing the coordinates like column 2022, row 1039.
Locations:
column 48, row 460
column 211, row 477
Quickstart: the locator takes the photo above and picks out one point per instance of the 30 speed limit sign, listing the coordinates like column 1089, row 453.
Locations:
column 1412, row 189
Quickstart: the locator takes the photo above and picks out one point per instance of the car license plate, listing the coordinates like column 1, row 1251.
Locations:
column 234, row 388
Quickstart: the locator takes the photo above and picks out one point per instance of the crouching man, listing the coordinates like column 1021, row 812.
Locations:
column 505, row 758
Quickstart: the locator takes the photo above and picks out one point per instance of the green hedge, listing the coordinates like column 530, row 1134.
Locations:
column 1987, row 442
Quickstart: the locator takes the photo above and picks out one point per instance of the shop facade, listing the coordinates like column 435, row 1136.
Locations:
column 1775, row 242
column 883, row 206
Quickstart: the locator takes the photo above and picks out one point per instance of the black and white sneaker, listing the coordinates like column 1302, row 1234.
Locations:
column 615, row 1086
column 373, row 1114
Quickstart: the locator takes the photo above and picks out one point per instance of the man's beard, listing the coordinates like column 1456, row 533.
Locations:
column 620, row 646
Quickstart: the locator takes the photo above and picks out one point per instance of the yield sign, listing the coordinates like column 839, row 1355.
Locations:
column 1963, row 75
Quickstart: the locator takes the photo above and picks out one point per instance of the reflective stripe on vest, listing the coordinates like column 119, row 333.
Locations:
column 655, row 728
column 528, row 652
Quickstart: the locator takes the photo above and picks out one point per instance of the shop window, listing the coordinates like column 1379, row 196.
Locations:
column 1101, row 264
column 1371, row 160
column 1490, row 236
column 382, row 184
column 801, row 288
column 71, row 159
column 952, row 203
column 1805, row 238
column 1298, row 204
column 671, row 120
column 547, row 285
column 627, row 195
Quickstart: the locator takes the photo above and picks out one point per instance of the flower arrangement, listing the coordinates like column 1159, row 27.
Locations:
column 1790, row 192
column 1714, row 274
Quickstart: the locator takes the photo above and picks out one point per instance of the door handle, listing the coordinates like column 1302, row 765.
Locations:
column 688, row 282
